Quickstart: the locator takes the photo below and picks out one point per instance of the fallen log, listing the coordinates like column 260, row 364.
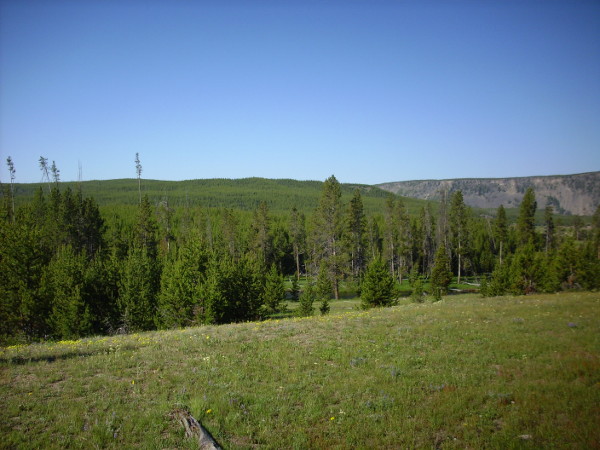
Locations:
column 195, row 430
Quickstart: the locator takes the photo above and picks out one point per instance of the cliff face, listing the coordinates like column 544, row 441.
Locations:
column 568, row 194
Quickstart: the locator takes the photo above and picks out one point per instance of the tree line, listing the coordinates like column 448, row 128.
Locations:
column 67, row 270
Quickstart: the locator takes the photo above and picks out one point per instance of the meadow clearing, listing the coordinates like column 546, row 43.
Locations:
column 465, row 372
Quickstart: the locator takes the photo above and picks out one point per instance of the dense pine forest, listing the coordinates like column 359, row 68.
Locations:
column 70, row 267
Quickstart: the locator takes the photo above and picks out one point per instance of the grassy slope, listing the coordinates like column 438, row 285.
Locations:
column 464, row 372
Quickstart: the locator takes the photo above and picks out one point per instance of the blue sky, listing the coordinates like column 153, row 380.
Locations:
column 369, row 91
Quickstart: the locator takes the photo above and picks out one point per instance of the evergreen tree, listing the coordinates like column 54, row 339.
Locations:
column 102, row 291
column 378, row 287
column 323, row 287
column 425, row 228
column 233, row 291
column 274, row 291
column 596, row 231
column 212, row 294
column 137, row 291
column 139, row 279
column 481, row 246
column 390, row 236
column 499, row 282
column 54, row 229
column 229, row 231
column 404, row 237
column 165, row 221
column 146, row 229
column 374, row 238
column 569, row 264
column 355, row 235
column 440, row 274
column 458, row 229
column 68, row 213
column 526, row 219
column 324, row 308
column 548, row 274
column 549, row 228
column 526, row 270
column 261, row 241
column 500, row 230
column 413, row 276
column 590, row 266
column 297, row 236
column 181, row 283
column 327, row 233
column 5, row 204
column 281, row 248
column 23, row 256
column 417, row 291
column 90, row 227
column 443, row 222
column 63, row 285
column 307, row 298
column 295, row 290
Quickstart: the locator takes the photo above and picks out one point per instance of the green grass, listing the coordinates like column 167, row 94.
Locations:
column 466, row 372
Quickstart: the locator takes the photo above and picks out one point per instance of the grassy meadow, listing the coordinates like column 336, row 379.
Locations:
column 465, row 372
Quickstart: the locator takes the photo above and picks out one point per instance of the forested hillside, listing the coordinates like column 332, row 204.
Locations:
column 568, row 194
column 70, row 268
column 244, row 194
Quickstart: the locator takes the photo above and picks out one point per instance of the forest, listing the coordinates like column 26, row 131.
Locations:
column 69, row 268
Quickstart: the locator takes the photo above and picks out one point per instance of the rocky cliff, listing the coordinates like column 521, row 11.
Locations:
column 568, row 194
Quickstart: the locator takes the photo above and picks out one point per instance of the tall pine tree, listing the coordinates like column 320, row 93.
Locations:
column 526, row 219
column 440, row 274
column 355, row 236
column 328, row 232
column 459, row 234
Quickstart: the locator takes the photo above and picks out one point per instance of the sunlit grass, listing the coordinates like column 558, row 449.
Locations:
column 464, row 372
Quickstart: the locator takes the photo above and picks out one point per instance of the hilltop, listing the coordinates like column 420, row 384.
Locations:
column 246, row 194
column 569, row 194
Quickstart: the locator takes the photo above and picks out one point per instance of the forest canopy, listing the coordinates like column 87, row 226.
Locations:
column 71, row 268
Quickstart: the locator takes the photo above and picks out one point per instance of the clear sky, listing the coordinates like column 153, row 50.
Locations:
column 371, row 91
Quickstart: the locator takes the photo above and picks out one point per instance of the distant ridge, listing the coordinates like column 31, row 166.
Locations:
column 577, row 194
column 281, row 195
